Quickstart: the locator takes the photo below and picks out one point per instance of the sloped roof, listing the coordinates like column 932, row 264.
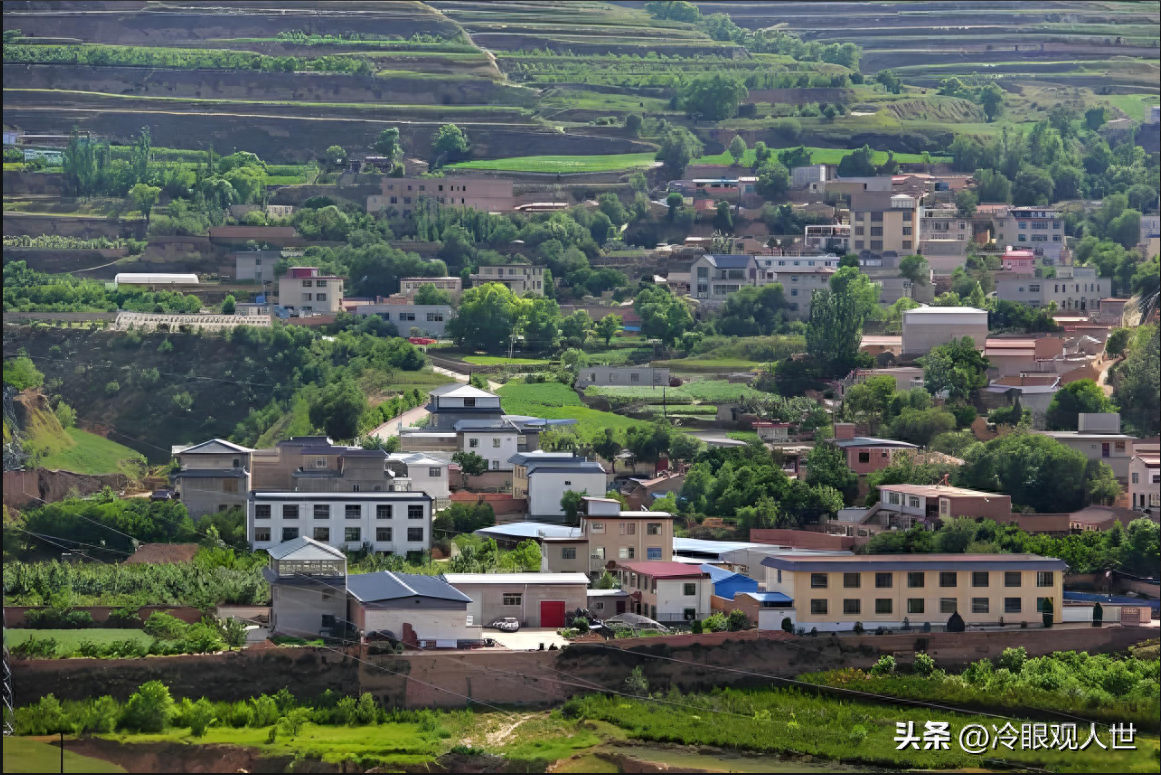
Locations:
column 717, row 574
column 386, row 585
column 729, row 260
column 211, row 447
column 871, row 441
column 516, row 578
column 463, row 391
column 303, row 548
column 659, row 569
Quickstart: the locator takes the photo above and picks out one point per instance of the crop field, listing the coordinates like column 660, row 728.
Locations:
column 555, row 401
column 703, row 391
column 70, row 640
column 562, row 164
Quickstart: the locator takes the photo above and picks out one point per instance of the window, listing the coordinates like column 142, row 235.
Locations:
column 980, row 605
column 320, row 297
column 979, row 578
column 382, row 511
column 322, row 534
column 262, row 511
column 512, row 598
column 597, row 527
column 352, row 535
column 414, row 511
column 626, row 552
column 1011, row 605
column 415, row 534
column 261, row 534
column 653, row 553
column 568, row 553
column 1012, row 578
column 883, row 605
column 852, row 607
column 852, row 580
column 1044, row 578
column 883, row 581
column 914, row 605
column 689, row 614
column 469, row 402
column 322, row 511
column 689, row 589
column 915, row 579
column 628, row 528
column 893, row 498
column 653, row 528
column 865, row 457
column 818, row 581
column 353, row 510
column 289, row 533
column 473, row 443
column 947, row 605
column 1040, row 603
column 290, row 511
column 947, row 579
column 383, row 534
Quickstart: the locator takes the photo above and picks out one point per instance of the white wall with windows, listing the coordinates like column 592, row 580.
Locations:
column 495, row 446
column 390, row 522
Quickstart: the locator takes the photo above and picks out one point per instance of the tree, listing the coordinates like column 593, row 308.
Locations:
column 663, row 315
column 606, row 444
column 429, row 294
column 673, row 10
column 149, row 709
column 724, row 218
column 487, row 317
column 337, row 409
column 889, row 81
column 714, row 97
column 795, row 157
column 684, row 447
column 1138, row 387
column 1036, row 471
column 957, row 367
column 610, row 205
column 826, row 465
column 965, row 202
column 737, row 149
column 1033, row 186
column 834, row 331
column 916, row 269
column 1100, row 484
column 1094, row 118
column 992, row 186
column 633, row 124
column 858, row 164
column 387, row 144
column 450, row 144
column 570, row 504
column 773, row 180
column 920, row 426
column 144, row 197
column 1083, row 395
column 229, row 304
column 21, row 373
column 608, row 327
column 678, row 148
column 992, row 101
column 335, row 155
column 471, row 464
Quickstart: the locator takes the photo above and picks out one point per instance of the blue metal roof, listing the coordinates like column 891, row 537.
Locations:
column 529, row 530
column 717, row 574
column 730, row 261
column 769, row 597
column 385, row 585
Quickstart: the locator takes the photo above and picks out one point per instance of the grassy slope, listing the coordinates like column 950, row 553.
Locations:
column 819, row 156
column 70, row 639
column 23, row 754
column 93, row 454
column 558, row 402
column 619, row 161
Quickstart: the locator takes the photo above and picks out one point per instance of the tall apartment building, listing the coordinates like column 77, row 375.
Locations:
column 518, row 278
column 305, row 289
column 387, row 522
column 882, row 221
column 491, row 195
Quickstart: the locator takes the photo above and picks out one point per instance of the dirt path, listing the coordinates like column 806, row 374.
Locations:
column 503, row 733
column 407, row 419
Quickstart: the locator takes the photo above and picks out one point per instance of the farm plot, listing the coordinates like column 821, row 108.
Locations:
column 562, row 164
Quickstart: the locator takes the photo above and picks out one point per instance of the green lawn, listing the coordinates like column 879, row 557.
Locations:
column 24, row 754
column 560, row 164
column 695, row 365
column 820, row 156
column 93, row 454
column 68, row 640
column 492, row 360
column 555, row 401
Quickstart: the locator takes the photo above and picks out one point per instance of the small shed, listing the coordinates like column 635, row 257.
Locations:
column 419, row 610
column 728, row 583
column 534, row 599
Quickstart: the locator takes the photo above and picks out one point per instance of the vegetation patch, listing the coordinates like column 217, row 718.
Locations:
column 555, row 401
column 561, row 164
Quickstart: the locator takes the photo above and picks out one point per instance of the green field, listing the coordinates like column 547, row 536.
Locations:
column 561, row 164
column 555, row 401
column 69, row 640
column 493, row 360
column 698, row 365
column 705, row 391
column 25, row 754
column 820, row 156
column 93, row 454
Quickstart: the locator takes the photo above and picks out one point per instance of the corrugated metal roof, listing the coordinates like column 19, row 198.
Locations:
column 386, row 585
column 303, row 548
column 905, row 562
column 516, row 578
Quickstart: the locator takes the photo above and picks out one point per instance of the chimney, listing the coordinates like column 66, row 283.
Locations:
column 844, row 430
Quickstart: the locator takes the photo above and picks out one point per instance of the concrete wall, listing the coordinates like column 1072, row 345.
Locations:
column 488, row 601
column 802, row 539
column 528, row 678
column 297, row 611
column 14, row 616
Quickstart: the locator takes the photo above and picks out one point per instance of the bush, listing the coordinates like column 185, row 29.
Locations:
column 165, row 626
column 696, row 627
column 859, row 628
column 714, row 623
column 788, row 626
column 198, row 717
column 1013, row 659
column 124, row 618
column 36, row 648
column 149, row 709
column 924, row 665
column 885, row 665
column 266, row 712
column 58, row 619
column 737, row 620
column 46, row 717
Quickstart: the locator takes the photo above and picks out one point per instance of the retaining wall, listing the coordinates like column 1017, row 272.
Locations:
column 41, row 485
column 14, row 616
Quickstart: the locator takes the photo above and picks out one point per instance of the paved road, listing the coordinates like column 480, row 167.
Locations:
column 407, row 419
column 717, row 438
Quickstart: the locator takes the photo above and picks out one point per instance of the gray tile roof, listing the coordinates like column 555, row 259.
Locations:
column 386, row 585
column 303, row 548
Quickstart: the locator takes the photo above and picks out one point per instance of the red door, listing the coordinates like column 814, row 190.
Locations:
column 552, row 613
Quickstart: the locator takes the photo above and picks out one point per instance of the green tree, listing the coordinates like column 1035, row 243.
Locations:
column 992, row 101
column 1094, row 118
column 1083, row 395
column 450, row 144
column 889, row 81
column 826, row 465
column 957, row 367
column 1138, row 384
column 335, row 155
column 429, row 294
column 337, row 409
column 916, row 269
column 1033, row 186
column 678, row 148
column 487, row 317
column 633, row 124
column 571, row 502
column 387, row 144
column 724, row 218
column 966, row 202
column 1036, row 471
column 795, row 157
column 149, row 709
column 737, row 149
column 773, row 180
column 858, row 164
column 992, row 186
column 684, row 447
column 608, row 327
column 1100, row 484
column 229, row 304
column 713, row 97
column 663, row 315
column 1118, row 339
column 21, row 373
column 539, row 321
column 673, row 10
column 144, row 197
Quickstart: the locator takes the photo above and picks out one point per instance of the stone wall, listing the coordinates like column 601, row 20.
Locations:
column 27, row 488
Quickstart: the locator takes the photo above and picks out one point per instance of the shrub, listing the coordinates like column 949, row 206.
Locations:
column 788, row 626
column 737, row 620
column 714, row 623
column 859, row 628
column 366, row 711
column 36, row 648
column 124, row 618
column 55, row 618
column 696, row 627
column 637, row 684
column 885, row 665
column 149, row 709
column 1013, row 659
column 857, row 734
column 580, row 623
column 99, row 718
column 46, row 717
column 165, row 626
column 924, row 665
column 265, row 710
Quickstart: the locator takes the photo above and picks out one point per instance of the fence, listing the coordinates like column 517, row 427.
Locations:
column 145, row 321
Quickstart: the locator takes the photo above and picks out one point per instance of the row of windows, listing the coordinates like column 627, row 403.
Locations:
column 628, row 528
column 623, row 553
column 317, row 297
column 317, row 283
column 917, row 579
column 917, row 605
column 350, row 510
column 351, row 535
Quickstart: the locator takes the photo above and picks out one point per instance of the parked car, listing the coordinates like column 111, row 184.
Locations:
column 506, row 624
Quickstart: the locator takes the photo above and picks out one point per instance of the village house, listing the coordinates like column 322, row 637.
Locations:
column 866, row 453
column 1073, row 288
column 666, row 591
column 425, row 319
column 616, row 535
column 773, row 432
column 1145, row 478
column 304, row 289
column 212, row 476
column 489, row 195
column 316, row 464
column 622, row 376
column 422, row 611
column 604, row 603
column 827, row 237
column 927, row 327
column 1098, row 437
column 903, row 506
column 832, row 593
column 409, row 286
column 536, row 600
column 884, row 221
column 518, row 278
column 421, row 473
column 543, row 477
column 308, row 588
column 256, row 265
column 642, row 493
column 1039, row 228
column 385, row 522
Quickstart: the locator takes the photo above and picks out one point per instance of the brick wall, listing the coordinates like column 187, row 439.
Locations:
column 14, row 615
column 802, row 539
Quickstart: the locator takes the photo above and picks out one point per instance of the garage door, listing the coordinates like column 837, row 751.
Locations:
column 552, row 613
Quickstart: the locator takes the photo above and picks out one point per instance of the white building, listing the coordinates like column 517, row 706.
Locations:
column 1073, row 288
column 389, row 522
column 1039, row 228
column 544, row 477
column 425, row 473
column 1098, row 437
column 1145, row 478
column 622, row 376
column 497, row 441
column 928, row 327
column 155, row 278
column 451, row 403
column 667, row 591
column 430, row 319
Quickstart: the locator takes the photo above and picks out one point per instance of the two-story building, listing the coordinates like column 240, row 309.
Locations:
column 212, row 476
column 1145, row 478
column 927, row 327
column 1098, row 437
column 490, row 195
column 832, row 593
column 306, row 289
column 308, row 588
column 518, row 278
column 543, row 478
column 422, row 473
column 904, row 506
column 622, row 376
column 449, row 404
column 867, row 453
column 409, row 286
column 256, row 265
column 1038, row 228
column 666, row 591
column 615, row 535
column 427, row 319
column 316, row 464
column 387, row 522
column 713, row 277
column 799, row 285
column 1073, row 288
